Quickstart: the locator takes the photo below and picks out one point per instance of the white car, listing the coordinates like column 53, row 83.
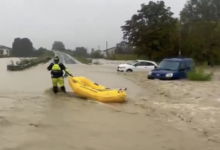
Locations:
column 137, row 65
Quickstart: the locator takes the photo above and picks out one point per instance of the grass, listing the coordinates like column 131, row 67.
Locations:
column 48, row 53
column 200, row 74
column 83, row 60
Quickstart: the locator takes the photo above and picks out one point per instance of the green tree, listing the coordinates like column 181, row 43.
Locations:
column 92, row 50
column 58, row 45
column 39, row 52
column 201, row 30
column 151, row 30
column 22, row 47
column 123, row 48
column 81, row 51
column 96, row 54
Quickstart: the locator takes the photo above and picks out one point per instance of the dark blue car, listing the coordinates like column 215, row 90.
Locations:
column 172, row 68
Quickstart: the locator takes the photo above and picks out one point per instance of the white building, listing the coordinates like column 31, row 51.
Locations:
column 109, row 52
column 4, row 50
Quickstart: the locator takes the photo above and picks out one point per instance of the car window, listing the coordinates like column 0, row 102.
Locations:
column 132, row 62
column 183, row 65
column 149, row 64
column 169, row 65
column 139, row 64
column 190, row 64
column 145, row 64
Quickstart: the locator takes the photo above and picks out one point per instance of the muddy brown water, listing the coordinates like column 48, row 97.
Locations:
column 32, row 118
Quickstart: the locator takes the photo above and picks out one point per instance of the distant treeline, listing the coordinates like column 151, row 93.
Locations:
column 120, row 48
column 23, row 47
column 79, row 51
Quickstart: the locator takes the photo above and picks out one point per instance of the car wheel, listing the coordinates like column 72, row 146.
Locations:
column 150, row 78
column 129, row 70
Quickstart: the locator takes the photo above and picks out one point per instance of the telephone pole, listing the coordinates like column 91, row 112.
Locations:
column 106, row 45
column 180, row 38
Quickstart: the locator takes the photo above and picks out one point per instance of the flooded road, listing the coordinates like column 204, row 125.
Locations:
column 32, row 118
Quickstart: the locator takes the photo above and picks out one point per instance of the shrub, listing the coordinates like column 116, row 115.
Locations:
column 199, row 74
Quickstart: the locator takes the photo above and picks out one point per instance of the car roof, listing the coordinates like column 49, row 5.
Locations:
column 178, row 59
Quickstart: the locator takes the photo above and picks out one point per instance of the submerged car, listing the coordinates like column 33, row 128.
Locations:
column 172, row 68
column 137, row 65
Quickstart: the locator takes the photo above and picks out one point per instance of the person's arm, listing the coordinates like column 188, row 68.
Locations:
column 49, row 68
column 65, row 69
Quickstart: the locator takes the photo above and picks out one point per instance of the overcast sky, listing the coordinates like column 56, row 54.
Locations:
column 87, row 23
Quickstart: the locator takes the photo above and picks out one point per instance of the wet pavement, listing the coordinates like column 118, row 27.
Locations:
column 33, row 118
column 66, row 59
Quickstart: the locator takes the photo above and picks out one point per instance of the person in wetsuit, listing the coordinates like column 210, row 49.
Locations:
column 57, row 68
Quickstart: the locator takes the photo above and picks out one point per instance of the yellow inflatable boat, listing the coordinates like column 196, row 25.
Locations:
column 86, row 88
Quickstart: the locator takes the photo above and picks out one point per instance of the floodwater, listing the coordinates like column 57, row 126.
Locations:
column 32, row 118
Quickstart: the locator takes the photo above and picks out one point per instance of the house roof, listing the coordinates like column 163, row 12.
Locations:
column 109, row 48
column 2, row 46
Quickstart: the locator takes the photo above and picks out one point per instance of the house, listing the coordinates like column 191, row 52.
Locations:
column 4, row 50
column 99, row 51
column 109, row 52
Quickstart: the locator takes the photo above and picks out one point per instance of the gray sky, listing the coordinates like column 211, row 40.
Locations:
column 87, row 23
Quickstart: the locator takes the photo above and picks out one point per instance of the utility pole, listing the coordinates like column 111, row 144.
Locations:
column 98, row 47
column 180, row 37
column 106, row 45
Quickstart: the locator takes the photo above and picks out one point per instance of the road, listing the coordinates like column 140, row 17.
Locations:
column 66, row 58
column 32, row 118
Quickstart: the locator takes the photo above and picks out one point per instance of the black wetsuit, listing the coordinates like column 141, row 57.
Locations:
column 56, row 73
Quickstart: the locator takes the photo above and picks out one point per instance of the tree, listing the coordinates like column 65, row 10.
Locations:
column 81, row 51
column 27, row 46
column 96, row 54
column 22, row 47
column 39, row 52
column 201, row 29
column 58, row 45
column 123, row 48
column 92, row 50
column 151, row 30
